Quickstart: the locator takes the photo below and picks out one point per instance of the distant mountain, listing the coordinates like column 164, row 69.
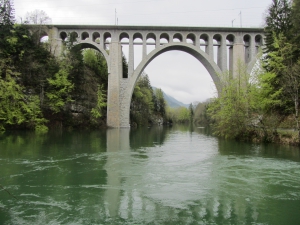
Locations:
column 172, row 102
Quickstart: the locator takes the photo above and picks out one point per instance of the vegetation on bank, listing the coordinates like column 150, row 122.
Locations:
column 255, row 107
column 38, row 90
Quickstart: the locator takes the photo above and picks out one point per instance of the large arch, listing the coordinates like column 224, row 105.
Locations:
column 201, row 56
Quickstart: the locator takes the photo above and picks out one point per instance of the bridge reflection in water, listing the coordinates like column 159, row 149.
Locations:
column 147, row 186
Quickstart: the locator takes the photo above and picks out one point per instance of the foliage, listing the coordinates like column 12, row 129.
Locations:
column 60, row 88
column 101, row 103
column 142, row 105
column 200, row 114
column 232, row 109
column 179, row 114
column 15, row 107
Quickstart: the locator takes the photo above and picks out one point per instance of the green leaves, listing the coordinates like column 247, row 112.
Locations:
column 101, row 103
column 59, row 89
column 16, row 108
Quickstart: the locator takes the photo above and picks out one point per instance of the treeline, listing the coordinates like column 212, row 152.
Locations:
column 38, row 90
column 254, row 107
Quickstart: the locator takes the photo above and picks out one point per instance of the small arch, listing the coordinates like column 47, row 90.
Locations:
column 63, row 35
column 217, row 38
column 247, row 47
column 151, row 42
column 137, row 36
column 204, row 42
column 258, row 43
column 124, row 40
column 106, row 40
column 177, row 37
column 96, row 37
column 151, row 35
column 84, row 36
column 191, row 38
column 123, row 35
column 138, row 48
column 230, row 38
column 44, row 37
column 164, row 38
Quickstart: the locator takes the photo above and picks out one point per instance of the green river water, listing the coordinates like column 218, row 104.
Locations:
column 159, row 175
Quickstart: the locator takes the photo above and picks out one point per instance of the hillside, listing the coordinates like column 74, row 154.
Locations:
column 172, row 102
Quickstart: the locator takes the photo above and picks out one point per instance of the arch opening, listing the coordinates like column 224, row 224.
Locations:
column 106, row 40
column 247, row 47
column 96, row 37
column 217, row 38
column 150, row 45
column 85, row 36
column 177, row 37
column 191, row 39
column 164, row 39
column 63, row 35
column 204, row 42
column 124, row 40
column 44, row 37
column 229, row 43
column 138, row 48
column 258, row 43
column 177, row 79
column 210, row 67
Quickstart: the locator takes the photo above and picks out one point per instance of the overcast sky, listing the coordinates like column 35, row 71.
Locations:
column 177, row 73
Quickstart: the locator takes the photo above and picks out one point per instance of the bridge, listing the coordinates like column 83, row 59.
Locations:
column 218, row 49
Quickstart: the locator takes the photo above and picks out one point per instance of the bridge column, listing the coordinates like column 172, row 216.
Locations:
column 210, row 48
column 144, row 48
column 197, row 42
column 113, row 90
column 55, row 42
column 131, row 57
column 222, row 55
column 238, row 57
column 252, row 48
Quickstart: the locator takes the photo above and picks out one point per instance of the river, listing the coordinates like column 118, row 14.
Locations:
column 159, row 175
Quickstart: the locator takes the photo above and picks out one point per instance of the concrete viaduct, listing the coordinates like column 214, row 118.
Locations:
column 218, row 49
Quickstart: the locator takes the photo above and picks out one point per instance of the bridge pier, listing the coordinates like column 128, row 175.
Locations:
column 113, row 91
column 239, row 61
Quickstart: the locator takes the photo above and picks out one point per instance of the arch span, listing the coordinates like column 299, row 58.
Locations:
column 201, row 56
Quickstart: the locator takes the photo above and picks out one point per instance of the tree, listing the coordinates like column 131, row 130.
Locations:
column 16, row 108
column 6, row 13
column 97, row 111
column 60, row 88
column 278, row 20
column 39, row 19
column 141, row 107
column 191, row 112
column 296, row 28
column 231, row 111
column 160, row 103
